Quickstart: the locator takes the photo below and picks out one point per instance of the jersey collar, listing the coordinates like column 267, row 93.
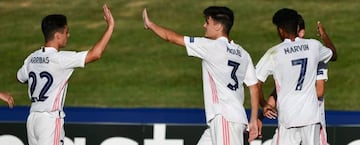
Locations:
column 288, row 40
column 222, row 38
column 49, row 49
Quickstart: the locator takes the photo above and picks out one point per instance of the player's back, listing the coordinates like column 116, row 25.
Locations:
column 226, row 66
column 295, row 75
column 47, row 72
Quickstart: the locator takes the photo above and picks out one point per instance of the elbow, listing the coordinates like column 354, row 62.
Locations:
column 320, row 95
column 167, row 38
column 333, row 58
column 92, row 58
column 320, row 98
column 334, row 55
column 96, row 57
column 22, row 81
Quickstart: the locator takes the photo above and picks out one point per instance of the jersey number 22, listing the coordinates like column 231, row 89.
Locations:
column 45, row 88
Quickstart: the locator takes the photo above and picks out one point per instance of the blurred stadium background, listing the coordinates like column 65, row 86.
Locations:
column 140, row 70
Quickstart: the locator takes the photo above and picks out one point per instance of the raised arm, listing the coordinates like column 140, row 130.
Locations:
column 327, row 42
column 162, row 32
column 7, row 98
column 96, row 51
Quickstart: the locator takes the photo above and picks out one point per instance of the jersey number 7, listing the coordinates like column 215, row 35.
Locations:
column 303, row 63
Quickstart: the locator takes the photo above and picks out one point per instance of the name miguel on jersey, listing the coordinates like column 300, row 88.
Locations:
column 40, row 60
column 296, row 48
column 233, row 51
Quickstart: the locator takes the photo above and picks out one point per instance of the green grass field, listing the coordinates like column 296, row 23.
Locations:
column 140, row 70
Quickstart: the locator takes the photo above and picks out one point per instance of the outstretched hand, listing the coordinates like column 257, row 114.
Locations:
column 108, row 16
column 7, row 98
column 146, row 19
column 321, row 30
column 327, row 42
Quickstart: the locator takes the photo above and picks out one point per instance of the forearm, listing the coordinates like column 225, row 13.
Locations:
column 328, row 43
column 167, row 34
column 271, row 101
column 262, row 100
column 96, row 51
column 254, row 93
column 320, row 88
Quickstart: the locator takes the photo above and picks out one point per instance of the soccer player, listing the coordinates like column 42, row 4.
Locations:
column 47, row 71
column 321, row 78
column 6, row 97
column 293, row 64
column 225, row 67
column 270, row 110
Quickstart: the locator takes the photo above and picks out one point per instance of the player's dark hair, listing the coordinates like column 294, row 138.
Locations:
column 223, row 15
column 301, row 22
column 51, row 24
column 287, row 19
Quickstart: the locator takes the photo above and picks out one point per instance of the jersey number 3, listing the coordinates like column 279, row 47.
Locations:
column 303, row 63
column 235, row 66
column 45, row 88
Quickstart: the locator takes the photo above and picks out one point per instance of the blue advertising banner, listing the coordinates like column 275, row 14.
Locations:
column 154, row 126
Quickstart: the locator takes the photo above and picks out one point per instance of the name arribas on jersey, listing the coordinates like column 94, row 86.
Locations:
column 40, row 60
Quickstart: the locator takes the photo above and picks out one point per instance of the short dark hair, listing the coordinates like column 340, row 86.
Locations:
column 287, row 19
column 51, row 24
column 223, row 15
column 301, row 22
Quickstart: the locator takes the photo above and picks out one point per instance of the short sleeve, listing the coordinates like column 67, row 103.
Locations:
column 264, row 67
column 250, row 76
column 71, row 59
column 322, row 71
column 22, row 74
column 195, row 46
column 325, row 53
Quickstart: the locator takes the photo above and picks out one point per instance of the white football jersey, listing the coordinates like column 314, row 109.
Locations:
column 47, row 72
column 225, row 67
column 294, row 69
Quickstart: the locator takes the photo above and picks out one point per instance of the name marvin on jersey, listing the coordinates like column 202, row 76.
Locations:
column 39, row 60
column 296, row 48
column 233, row 51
